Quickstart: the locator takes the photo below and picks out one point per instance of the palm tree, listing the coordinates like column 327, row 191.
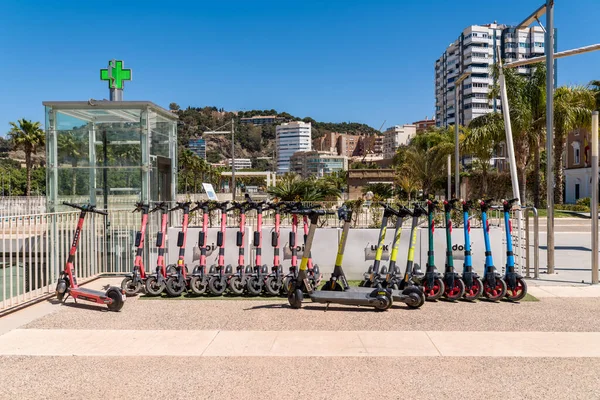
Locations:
column 380, row 189
column 535, row 91
column 29, row 136
column 186, row 163
column 484, row 135
column 408, row 184
column 573, row 107
column 70, row 146
column 595, row 87
column 425, row 158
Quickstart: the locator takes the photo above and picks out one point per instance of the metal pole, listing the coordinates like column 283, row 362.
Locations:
column 449, row 195
column 549, row 48
column 594, row 210
column 232, row 161
column 456, row 155
column 536, row 244
column 527, row 270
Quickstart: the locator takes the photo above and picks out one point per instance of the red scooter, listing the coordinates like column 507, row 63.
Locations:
column 236, row 281
column 218, row 280
column 178, row 282
column 274, row 281
column 114, row 297
column 156, row 283
column 199, row 279
column 133, row 284
column 256, row 280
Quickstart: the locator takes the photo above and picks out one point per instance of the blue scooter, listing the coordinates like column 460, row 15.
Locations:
column 494, row 288
column 473, row 283
column 516, row 285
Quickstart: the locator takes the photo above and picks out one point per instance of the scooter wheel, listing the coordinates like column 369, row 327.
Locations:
column 253, row 286
column 519, row 292
column 198, row 285
column 295, row 298
column 383, row 303
column 235, row 286
column 61, row 289
column 117, row 301
column 272, row 286
column 494, row 293
column 153, row 287
column 456, row 292
column 174, row 287
column 475, row 291
column 287, row 282
column 436, row 291
column 417, row 298
column 172, row 269
column 131, row 288
column 217, row 286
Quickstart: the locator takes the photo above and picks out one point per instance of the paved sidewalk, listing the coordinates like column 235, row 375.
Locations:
column 132, row 343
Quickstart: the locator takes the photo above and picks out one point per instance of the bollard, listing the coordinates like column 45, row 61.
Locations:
column 536, row 244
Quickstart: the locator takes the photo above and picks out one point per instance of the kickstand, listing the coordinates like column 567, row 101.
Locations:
column 327, row 307
column 65, row 299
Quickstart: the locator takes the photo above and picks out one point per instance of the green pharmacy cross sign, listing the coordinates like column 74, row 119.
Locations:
column 115, row 74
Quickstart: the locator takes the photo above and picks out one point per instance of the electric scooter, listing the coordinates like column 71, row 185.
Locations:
column 179, row 282
column 256, row 280
column 473, row 283
column 293, row 271
column 217, row 282
column 411, row 295
column 114, row 297
column 199, row 279
column 372, row 278
column 133, row 283
column 393, row 273
column 236, row 281
column 156, row 283
column 408, row 278
column 379, row 298
column 314, row 275
column 431, row 280
column 274, row 281
column 516, row 287
column 454, row 286
column 494, row 288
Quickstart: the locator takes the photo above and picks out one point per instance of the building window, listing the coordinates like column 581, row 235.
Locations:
column 577, row 191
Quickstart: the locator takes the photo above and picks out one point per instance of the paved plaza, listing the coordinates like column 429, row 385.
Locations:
column 209, row 348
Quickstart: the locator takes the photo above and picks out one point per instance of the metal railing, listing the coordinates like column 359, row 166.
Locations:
column 22, row 205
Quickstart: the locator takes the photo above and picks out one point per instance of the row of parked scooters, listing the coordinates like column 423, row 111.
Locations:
column 380, row 287
column 219, row 278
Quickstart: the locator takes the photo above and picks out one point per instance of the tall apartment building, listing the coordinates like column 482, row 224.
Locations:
column 474, row 52
column 198, row 146
column 396, row 136
column 290, row 138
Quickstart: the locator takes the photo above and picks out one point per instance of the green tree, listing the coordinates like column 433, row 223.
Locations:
column 595, row 87
column 380, row 190
column 407, row 184
column 573, row 107
column 485, row 133
column 29, row 136
column 71, row 147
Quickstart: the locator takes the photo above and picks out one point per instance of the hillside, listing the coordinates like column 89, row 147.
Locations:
column 251, row 141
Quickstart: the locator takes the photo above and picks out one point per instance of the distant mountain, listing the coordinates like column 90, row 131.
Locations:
column 251, row 141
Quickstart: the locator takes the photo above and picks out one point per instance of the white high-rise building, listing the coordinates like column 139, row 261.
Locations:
column 474, row 52
column 291, row 137
column 396, row 136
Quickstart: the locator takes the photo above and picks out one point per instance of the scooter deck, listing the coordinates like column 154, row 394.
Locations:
column 396, row 294
column 354, row 298
column 90, row 292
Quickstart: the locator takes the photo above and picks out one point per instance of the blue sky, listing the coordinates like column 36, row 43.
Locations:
column 364, row 61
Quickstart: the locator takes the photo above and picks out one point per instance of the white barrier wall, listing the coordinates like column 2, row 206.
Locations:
column 359, row 252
